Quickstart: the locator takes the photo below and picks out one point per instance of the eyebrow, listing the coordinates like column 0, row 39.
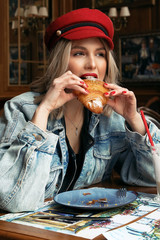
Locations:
column 83, row 48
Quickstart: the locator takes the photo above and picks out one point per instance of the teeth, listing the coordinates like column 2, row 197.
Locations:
column 89, row 77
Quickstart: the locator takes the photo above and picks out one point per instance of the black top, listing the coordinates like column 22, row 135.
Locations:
column 76, row 160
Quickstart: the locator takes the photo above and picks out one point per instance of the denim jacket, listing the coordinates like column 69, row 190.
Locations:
column 33, row 163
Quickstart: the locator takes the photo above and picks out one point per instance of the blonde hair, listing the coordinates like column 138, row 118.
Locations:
column 58, row 64
column 112, row 73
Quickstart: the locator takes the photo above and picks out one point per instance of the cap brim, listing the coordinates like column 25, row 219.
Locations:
column 84, row 32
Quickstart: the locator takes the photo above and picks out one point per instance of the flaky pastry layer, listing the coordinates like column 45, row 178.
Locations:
column 95, row 99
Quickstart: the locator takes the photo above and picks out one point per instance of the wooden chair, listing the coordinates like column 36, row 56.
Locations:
column 154, row 104
column 151, row 115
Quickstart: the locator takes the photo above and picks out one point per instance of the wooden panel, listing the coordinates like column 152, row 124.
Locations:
column 136, row 23
column 5, row 90
column 3, row 46
column 81, row 4
column 105, row 4
column 60, row 7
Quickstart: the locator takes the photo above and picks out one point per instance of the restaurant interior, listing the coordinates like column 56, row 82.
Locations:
column 23, row 58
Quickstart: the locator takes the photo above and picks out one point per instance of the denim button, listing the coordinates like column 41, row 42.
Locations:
column 37, row 137
column 90, row 142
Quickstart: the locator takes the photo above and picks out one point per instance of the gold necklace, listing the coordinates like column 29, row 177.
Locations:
column 76, row 127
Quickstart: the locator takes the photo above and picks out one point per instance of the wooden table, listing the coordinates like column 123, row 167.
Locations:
column 14, row 231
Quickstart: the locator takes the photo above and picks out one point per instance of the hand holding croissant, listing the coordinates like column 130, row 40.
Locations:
column 95, row 99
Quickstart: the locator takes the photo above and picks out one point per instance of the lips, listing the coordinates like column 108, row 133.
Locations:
column 89, row 76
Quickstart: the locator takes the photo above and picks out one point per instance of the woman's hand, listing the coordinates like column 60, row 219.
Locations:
column 124, row 103
column 59, row 92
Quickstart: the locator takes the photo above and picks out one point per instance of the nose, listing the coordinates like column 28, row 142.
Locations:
column 90, row 62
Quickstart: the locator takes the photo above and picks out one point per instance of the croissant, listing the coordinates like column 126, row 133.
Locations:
column 95, row 99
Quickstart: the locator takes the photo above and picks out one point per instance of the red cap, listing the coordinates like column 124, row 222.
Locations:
column 79, row 24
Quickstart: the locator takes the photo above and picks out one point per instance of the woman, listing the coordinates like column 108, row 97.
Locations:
column 50, row 143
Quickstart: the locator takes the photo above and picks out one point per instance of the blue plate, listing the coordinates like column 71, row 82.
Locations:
column 94, row 198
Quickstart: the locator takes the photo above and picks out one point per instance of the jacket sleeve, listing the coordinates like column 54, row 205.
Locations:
column 136, row 163
column 25, row 155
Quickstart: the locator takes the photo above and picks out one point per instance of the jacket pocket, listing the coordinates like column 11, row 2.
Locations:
column 106, row 146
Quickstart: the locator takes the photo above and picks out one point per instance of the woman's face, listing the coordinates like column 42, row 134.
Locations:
column 88, row 58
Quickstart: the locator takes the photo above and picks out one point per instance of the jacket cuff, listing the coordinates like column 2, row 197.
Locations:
column 136, row 139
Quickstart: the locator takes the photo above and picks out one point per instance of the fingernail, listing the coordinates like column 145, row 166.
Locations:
column 105, row 84
column 87, row 91
column 124, row 92
column 113, row 92
column 82, row 82
column 106, row 93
